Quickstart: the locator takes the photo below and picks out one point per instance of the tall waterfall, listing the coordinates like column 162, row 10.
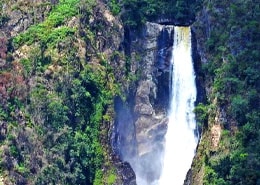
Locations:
column 180, row 139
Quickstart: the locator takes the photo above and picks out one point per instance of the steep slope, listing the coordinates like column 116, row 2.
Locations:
column 60, row 69
column 228, row 42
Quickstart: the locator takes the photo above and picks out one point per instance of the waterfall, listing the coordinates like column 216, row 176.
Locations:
column 180, row 139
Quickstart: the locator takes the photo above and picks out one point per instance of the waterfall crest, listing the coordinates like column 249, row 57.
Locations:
column 180, row 140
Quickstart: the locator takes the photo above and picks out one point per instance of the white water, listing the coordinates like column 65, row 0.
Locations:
column 180, row 140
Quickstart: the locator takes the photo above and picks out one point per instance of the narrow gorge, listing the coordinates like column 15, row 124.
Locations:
column 157, row 134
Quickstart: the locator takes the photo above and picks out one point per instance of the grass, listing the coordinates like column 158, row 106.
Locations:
column 52, row 30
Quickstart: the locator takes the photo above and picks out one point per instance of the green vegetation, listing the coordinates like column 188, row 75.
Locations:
column 52, row 30
column 114, row 7
column 233, row 53
column 201, row 112
column 111, row 178
column 55, row 102
column 137, row 12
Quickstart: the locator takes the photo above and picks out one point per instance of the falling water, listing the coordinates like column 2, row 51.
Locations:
column 180, row 140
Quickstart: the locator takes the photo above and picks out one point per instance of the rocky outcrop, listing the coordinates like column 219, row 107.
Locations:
column 108, row 41
column 169, row 20
column 149, row 104
column 127, row 174
column 150, row 124
column 19, row 15
column 141, row 128
column 203, row 27
column 107, row 32
column 142, row 122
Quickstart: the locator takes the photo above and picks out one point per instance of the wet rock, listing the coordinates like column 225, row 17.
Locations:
column 144, row 109
column 3, row 130
column 149, row 123
column 188, row 178
column 127, row 174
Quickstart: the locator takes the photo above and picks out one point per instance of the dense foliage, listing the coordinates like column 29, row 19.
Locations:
column 233, row 50
column 136, row 12
column 53, row 102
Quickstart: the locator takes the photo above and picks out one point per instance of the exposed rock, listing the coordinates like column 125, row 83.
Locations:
column 188, row 178
column 22, row 14
column 127, row 173
column 152, row 99
column 150, row 125
column 164, row 58
column 215, row 135
column 202, row 32
column 74, row 22
column 3, row 130
column 146, row 126
column 108, row 41
column 170, row 20
column 1, row 180
column 144, row 109
column 112, row 30
column 3, row 48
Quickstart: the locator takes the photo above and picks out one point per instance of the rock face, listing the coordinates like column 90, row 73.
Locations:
column 22, row 14
column 142, row 121
column 108, row 41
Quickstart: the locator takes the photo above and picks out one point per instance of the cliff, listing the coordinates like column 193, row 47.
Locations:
column 61, row 67
column 228, row 44
column 139, row 136
column 83, row 92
